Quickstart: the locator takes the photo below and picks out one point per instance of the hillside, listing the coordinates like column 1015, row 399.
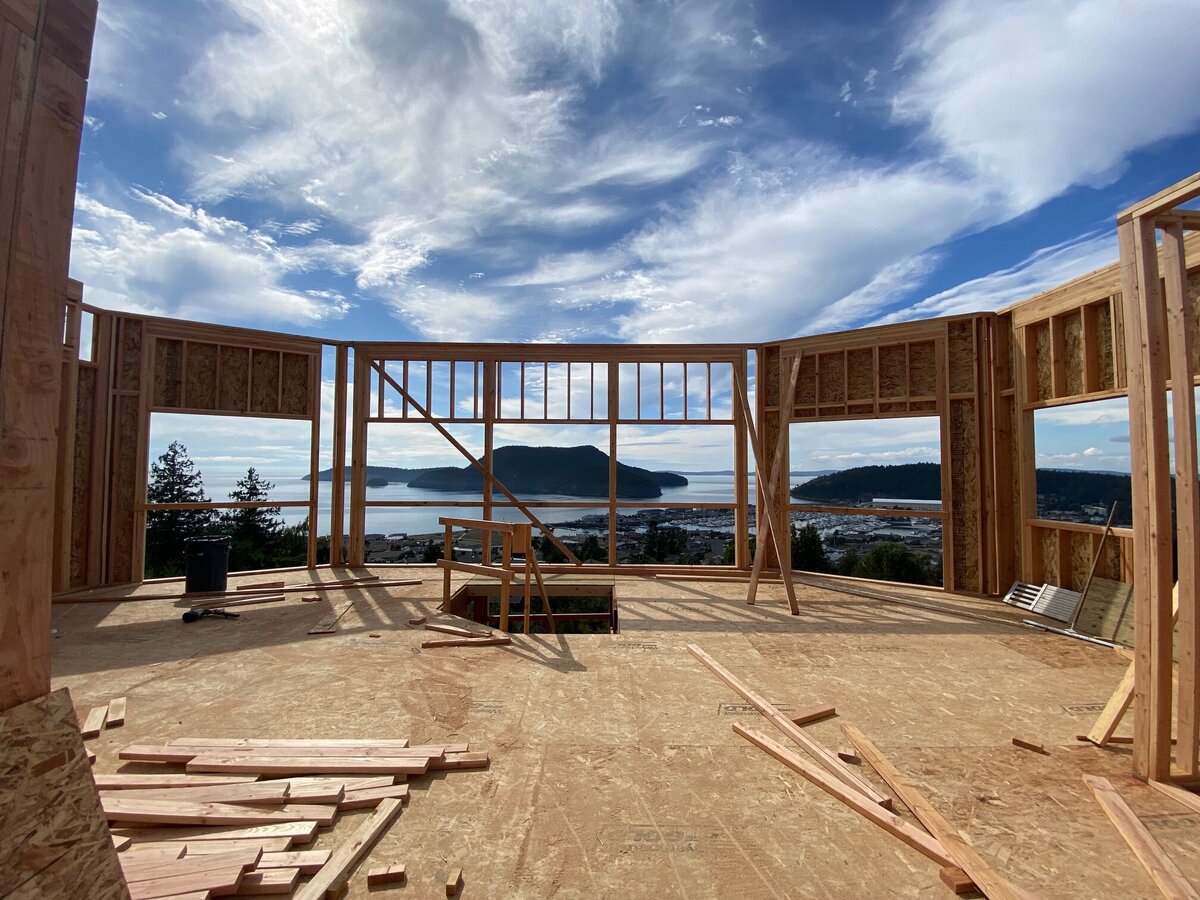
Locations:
column 912, row 481
column 389, row 474
column 573, row 471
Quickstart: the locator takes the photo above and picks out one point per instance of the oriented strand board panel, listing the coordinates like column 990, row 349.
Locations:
column 1080, row 561
column 1041, row 383
column 129, row 369
column 264, row 381
column 833, row 377
column 1104, row 339
column 922, row 369
column 1049, row 544
column 893, row 371
column 81, row 487
column 168, row 373
column 201, row 376
column 1107, row 611
column 965, row 490
column 125, row 483
column 1072, row 327
column 235, row 379
column 295, row 384
column 54, row 842
column 962, row 357
column 861, row 374
column 806, row 383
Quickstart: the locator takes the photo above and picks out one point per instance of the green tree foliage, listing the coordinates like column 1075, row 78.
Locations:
column 173, row 479
column 591, row 551
column 548, row 550
column 431, row 554
column 895, row 562
column 808, row 552
column 661, row 543
column 257, row 534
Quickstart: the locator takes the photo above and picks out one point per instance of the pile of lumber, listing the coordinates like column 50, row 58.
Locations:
column 267, row 795
column 463, row 637
column 962, row 868
column 110, row 715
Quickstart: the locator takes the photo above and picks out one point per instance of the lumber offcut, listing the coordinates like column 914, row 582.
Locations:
column 829, row 760
column 1149, row 852
column 467, row 642
column 386, row 875
column 964, row 855
column 335, row 873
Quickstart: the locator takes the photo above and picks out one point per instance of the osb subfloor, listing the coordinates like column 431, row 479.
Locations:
column 614, row 769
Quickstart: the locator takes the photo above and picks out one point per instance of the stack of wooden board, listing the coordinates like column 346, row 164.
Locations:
column 270, row 794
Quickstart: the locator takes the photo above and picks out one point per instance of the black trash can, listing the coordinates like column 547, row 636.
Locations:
column 207, row 563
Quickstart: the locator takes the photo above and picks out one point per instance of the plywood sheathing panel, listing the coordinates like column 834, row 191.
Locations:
column 1042, row 383
column 860, row 364
column 1048, row 539
column 235, row 379
column 202, row 375
column 1104, row 349
column 806, row 383
column 965, row 488
column 1072, row 328
column 81, row 486
column 168, row 373
column 129, row 366
column 1080, row 544
column 295, row 384
column 963, row 356
column 833, row 377
column 124, row 490
column 922, row 369
column 54, row 842
column 264, row 381
column 893, row 371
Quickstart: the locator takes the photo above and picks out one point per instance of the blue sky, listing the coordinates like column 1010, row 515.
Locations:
column 600, row 170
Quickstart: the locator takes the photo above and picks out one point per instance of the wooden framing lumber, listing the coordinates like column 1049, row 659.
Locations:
column 171, row 812
column 212, row 599
column 192, row 847
column 269, row 881
column 787, row 726
column 888, row 821
column 307, row 861
column 963, row 854
column 323, row 743
column 812, row 714
column 456, row 630
column 94, row 723
column 252, row 793
column 116, row 713
column 310, row 765
column 371, row 797
column 393, row 874
column 301, row 832
column 335, row 873
column 1160, row 867
column 454, row 881
column 218, row 881
column 1178, row 794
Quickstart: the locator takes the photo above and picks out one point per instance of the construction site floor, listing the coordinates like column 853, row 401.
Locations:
column 614, row 770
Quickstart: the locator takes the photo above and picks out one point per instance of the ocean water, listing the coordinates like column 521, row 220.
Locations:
column 423, row 520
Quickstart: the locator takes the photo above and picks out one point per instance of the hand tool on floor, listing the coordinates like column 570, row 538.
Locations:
column 193, row 615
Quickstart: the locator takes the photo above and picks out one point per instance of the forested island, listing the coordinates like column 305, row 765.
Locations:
column 572, row 471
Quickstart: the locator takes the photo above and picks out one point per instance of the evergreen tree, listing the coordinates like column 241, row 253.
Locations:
column 549, row 550
column 173, row 479
column 893, row 562
column 808, row 553
column 255, row 532
column 591, row 551
column 431, row 554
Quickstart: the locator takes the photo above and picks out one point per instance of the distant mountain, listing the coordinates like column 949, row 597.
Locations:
column 389, row 474
column 912, row 481
column 573, row 471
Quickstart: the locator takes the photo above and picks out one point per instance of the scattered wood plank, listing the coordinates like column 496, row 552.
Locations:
column 372, row 797
column 454, row 882
column 812, row 714
column 1030, row 745
column 311, row 765
column 788, row 727
column 963, row 854
column 170, row 812
column 956, row 879
column 347, row 783
column 122, row 782
column 888, row 821
column 457, row 630
column 1178, row 794
column 297, row 832
column 312, row 599
column 309, row 862
column 218, row 881
column 175, row 750
column 1114, row 710
column 116, row 713
column 94, row 722
column 850, row 755
column 467, row 642
column 399, row 743
column 334, row 874
column 194, row 847
column 314, row 587
column 272, row 881
column 1160, row 867
column 252, row 793
column 262, row 585
column 386, row 875
column 416, row 621
column 149, row 866
column 477, row 760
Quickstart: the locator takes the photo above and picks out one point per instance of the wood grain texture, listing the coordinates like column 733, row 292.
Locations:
column 334, row 874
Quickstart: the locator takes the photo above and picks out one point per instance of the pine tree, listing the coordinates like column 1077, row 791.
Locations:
column 173, row 479
column 254, row 531
column 808, row 552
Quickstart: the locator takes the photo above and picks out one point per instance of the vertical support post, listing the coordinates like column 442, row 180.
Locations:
column 525, row 533
column 1147, row 361
column 358, row 459
column 1181, row 341
column 337, row 493
column 65, row 470
column 614, row 403
column 447, row 554
column 489, row 431
column 506, row 583
column 316, row 363
column 741, row 467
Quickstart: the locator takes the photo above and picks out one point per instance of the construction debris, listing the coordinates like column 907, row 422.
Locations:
column 386, row 875
column 454, row 882
column 1030, row 745
column 812, row 714
column 468, row 642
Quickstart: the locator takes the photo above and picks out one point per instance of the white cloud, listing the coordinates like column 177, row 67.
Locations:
column 177, row 260
column 1036, row 97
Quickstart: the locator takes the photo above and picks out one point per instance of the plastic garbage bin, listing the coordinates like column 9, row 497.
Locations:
column 207, row 563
